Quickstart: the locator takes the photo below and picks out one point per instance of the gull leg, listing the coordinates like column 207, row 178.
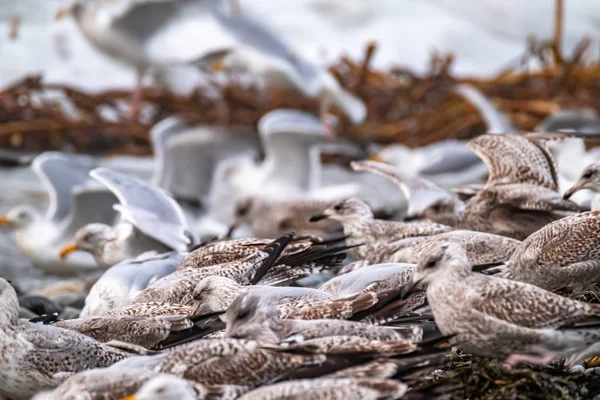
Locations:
column 137, row 95
column 326, row 120
column 558, row 32
column 515, row 359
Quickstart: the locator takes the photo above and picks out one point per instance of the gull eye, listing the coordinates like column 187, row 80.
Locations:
column 243, row 313
column 338, row 207
column 431, row 263
column 587, row 175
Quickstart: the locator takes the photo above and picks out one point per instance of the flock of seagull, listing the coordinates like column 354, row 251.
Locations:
column 240, row 266
column 340, row 281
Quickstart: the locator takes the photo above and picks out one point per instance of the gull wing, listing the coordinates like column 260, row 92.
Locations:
column 148, row 208
column 60, row 175
column 514, row 158
column 419, row 192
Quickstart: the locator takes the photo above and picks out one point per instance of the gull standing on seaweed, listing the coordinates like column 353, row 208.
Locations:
column 160, row 33
column 150, row 221
column 501, row 318
column 75, row 200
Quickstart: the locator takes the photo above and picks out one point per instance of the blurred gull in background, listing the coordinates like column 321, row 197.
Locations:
column 75, row 200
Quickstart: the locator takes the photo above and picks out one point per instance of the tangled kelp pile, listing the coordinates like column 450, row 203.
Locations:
column 484, row 379
column 402, row 107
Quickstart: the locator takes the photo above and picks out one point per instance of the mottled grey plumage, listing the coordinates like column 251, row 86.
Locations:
column 482, row 248
column 252, row 316
column 139, row 330
column 322, row 389
column 496, row 317
column 178, row 287
column 561, row 254
column 37, row 357
column 361, row 227
column 232, row 361
column 216, row 293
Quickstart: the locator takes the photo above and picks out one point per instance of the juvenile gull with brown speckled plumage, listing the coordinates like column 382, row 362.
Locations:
column 252, row 316
column 323, row 389
column 496, row 317
column 561, row 254
column 521, row 193
column 38, row 357
column 361, row 227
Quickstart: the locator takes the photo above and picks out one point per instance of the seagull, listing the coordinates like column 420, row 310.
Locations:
column 361, row 227
column 521, row 193
column 119, row 285
column 39, row 357
column 323, row 388
column 150, row 221
column 169, row 28
column 75, row 200
column 501, row 318
column 562, row 254
column 589, row 179
column 291, row 167
column 254, row 316
column 169, row 387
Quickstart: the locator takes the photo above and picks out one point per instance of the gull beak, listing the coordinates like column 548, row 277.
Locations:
column 68, row 249
column 4, row 220
column 128, row 398
column 218, row 66
column 63, row 12
column 413, row 217
column 318, row 217
column 409, row 288
column 574, row 189
column 376, row 157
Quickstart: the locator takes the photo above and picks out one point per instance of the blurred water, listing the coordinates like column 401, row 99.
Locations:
column 484, row 34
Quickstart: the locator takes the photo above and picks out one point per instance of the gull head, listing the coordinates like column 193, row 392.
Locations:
column 251, row 317
column 20, row 217
column 346, row 211
column 214, row 294
column 445, row 210
column 90, row 238
column 589, row 179
column 9, row 304
column 167, row 387
column 440, row 259
column 436, row 262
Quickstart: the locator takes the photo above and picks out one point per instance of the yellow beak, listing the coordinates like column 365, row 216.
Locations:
column 217, row 66
column 63, row 12
column 4, row 220
column 376, row 157
column 128, row 398
column 68, row 249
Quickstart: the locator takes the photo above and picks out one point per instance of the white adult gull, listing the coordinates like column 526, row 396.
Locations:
column 75, row 200
column 150, row 221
